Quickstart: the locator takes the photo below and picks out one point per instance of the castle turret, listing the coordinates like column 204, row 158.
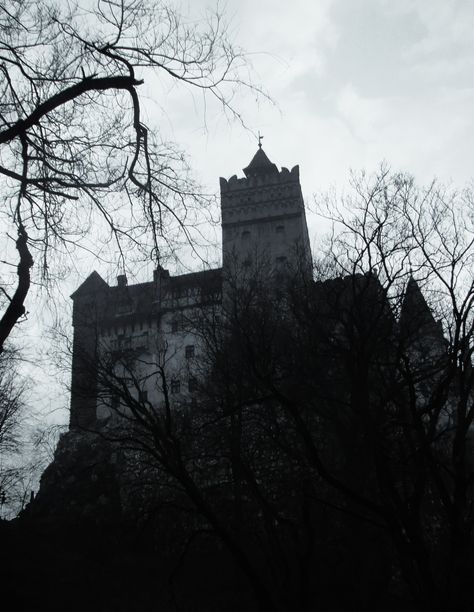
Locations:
column 263, row 217
column 418, row 326
column 88, row 307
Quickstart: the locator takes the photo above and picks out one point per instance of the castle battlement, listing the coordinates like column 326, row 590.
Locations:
column 264, row 194
column 261, row 180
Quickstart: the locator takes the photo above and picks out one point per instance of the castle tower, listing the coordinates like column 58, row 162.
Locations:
column 88, row 306
column 263, row 218
column 418, row 327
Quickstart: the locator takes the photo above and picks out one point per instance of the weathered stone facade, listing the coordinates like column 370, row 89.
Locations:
column 263, row 223
column 263, row 216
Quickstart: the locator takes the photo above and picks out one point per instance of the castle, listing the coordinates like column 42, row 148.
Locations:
column 264, row 231
column 263, row 218
column 316, row 415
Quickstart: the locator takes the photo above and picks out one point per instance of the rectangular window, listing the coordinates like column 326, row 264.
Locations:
column 143, row 396
column 189, row 351
column 175, row 386
column 141, row 341
column 124, row 342
column 280, row 229
column 124, row 307
column 192, row 384
column 174, row 326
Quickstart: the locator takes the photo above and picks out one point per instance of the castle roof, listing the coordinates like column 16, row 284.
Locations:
column 93, row 283
column 137, row 301
column 260, row 165
column 416, row 317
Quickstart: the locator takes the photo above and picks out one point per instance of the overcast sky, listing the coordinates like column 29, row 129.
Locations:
column 354, row 82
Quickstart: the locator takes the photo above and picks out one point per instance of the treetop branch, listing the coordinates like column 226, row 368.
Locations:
column 67, row 95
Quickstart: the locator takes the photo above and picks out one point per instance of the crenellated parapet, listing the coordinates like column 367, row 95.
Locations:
column 265, row 179
column 261, row 195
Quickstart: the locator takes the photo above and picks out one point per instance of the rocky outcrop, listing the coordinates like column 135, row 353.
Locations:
column 80, row 484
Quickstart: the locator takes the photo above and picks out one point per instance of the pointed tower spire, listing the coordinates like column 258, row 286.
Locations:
column 260, row 164
column 416, row 319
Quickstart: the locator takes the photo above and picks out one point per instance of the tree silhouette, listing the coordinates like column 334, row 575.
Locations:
column 327, row 438
column 76, row 152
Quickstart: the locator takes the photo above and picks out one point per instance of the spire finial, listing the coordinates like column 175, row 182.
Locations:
column 260, row 138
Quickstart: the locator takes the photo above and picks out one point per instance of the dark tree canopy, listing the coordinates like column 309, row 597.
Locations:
column 332, row 418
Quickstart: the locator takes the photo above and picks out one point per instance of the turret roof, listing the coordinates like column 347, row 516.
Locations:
column 93, row 283
column 416, row 316
column 260, row 165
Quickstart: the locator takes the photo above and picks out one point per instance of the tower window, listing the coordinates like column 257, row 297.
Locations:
column 143, row 396
column 280, row 229
column 175, row 386
column 124, row 342
column 192, row 384
column 189, row 351
column 124, row 307
column 175, row 325
column 141, row 341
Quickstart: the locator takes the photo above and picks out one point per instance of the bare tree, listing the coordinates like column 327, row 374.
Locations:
column 358, row 386
column 75, row 151
column 177, row 450
column 13, row 470
column 349, row 406
column 11, row 404
column 230, row 448
column 409, row 238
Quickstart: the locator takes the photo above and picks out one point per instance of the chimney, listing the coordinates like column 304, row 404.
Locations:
column 160, row 273
column 122, row 280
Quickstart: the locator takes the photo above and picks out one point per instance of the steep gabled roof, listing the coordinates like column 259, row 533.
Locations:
column 416, row 318
column 94, row 282
column 260, row 165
